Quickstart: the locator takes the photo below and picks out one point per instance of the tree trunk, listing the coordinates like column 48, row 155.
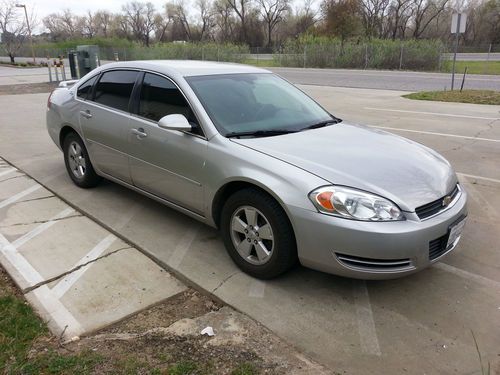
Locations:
column 269, row 30
column 12, row 58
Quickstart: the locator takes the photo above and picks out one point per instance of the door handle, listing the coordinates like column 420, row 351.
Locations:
column 86, row 114
column 140, row 133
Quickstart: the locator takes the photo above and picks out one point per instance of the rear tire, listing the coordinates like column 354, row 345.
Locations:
column 78, row 163
column 257, row 234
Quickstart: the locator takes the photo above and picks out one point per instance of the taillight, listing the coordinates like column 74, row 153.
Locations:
column 48, row 99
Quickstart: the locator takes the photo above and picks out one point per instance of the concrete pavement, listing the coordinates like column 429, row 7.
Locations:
column 419, row 324
column 78, row 275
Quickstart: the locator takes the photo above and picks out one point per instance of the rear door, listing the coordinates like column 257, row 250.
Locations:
column 166, row 163
column 105, row 122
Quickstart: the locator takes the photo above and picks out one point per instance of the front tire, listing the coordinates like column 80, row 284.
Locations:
column 78, row 163
column 257, row 234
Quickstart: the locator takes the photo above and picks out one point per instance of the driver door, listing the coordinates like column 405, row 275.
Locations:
column 166, row 163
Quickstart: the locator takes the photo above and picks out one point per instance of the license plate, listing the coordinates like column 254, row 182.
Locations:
column 455, row 232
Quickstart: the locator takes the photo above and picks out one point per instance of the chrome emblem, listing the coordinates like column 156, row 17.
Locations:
column 446, row 201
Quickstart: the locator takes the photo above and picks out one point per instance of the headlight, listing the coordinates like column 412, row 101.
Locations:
column 354, row 204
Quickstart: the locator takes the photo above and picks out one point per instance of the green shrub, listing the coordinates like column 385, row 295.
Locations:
column 323, row 52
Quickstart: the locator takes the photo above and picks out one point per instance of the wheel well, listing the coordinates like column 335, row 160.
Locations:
column 64, row 132
column 226, row 191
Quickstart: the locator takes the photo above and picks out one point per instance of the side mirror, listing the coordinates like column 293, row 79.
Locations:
column 175, row 122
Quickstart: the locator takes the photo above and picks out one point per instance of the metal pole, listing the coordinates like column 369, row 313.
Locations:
column 488, row 60
column 50, row 71
column 305, row 55
column 457, row 33
column 366, row 56
column 401, row 57
column 55, row 70
column 463, row 80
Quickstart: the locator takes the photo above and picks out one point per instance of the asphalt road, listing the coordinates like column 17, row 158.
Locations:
column 418, row 324
column 371, row 79
column 386, row 79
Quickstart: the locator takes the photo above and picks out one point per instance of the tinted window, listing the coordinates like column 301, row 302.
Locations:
column 86, row 87
column 114, row 88
column 160, row 97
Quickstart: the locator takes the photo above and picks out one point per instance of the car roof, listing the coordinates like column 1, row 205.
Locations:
column 187, row 68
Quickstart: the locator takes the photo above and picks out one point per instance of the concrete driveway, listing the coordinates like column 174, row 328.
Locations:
column 419, row 324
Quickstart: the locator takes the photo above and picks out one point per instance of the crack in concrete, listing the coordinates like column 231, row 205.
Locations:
column 11, row 178
column 74, row 269
column 37, row 199
column 225, row 280
column 476, row 135
column 41, row 221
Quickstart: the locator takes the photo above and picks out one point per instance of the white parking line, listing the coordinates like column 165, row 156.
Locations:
column 183, row 246
column 468, row 275
column 19, row 195
column 366, row 325
column 42, row 227
column 69, row 280
column 257, row 289
column 431, row 113
column 3, row 173
column 58, row 312
column 439, row 134
column 478, row 177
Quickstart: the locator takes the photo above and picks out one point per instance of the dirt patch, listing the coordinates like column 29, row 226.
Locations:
column 27, row 88
column 166, row 339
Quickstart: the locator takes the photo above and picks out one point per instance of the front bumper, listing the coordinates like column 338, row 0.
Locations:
column 373, row 250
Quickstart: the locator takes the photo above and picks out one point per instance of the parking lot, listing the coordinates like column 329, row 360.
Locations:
column 424, row 323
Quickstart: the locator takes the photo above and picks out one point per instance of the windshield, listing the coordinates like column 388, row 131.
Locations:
column 246, row 103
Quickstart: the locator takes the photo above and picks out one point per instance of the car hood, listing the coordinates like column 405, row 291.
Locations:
column 394, row 167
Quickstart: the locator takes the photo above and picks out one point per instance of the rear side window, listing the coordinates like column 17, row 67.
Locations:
column 160, row 97
column 114, row 88
column 86, row 88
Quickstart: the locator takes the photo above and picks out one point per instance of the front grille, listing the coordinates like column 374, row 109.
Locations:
column 437, row 247
column 371, row 264
column 433, row 208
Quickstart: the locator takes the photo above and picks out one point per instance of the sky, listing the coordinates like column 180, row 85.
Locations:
column 43, row 8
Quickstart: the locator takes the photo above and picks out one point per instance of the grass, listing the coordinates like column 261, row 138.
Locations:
column 20, row 327
column 466, row 96
column 473, row 67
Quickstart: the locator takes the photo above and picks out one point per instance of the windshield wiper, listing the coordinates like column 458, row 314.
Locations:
column 322, row 124
column 260, row 133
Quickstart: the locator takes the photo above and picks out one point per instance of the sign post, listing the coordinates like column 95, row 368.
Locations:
column 458, row 22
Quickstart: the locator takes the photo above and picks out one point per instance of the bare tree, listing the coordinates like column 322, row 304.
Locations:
column 13, row 29
column 140, row 18
column 424, row 12
column 240, row 7
column 223, row 14
column 206, row 17
column 89, row 27
column 103, row 20
column 374, row 13
column 399, row 14
column 272, row 11
column 178, row 14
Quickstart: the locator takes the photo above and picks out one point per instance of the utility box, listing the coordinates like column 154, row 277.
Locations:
column 83, row 60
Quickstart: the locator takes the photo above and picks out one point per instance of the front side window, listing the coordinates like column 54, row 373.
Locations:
column 160, row 97
column 114, row 88
column 256, row 102
column 86, row 87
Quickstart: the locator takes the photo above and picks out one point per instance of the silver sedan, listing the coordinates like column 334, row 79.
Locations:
column 245, row 151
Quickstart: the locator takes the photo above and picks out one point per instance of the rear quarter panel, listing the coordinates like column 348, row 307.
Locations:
column 63, row 111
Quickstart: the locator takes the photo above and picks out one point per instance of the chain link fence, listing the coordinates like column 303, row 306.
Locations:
column 394, row 55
